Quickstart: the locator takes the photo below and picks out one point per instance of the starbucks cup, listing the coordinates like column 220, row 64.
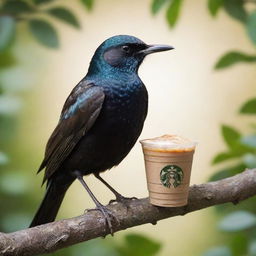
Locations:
column 168, row 162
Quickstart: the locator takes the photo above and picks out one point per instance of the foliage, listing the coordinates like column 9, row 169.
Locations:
column 131, row 244
column 157, row 5
column 242, row 149
column 172, row 11
column 240, row 222
column 251, row 26
column 15, row 184
column 232, row 58
column 36, row 13
column 44, row 32
column 218, row 251
column 64, row 15
column 238, row 11
column 249, row 107
column 7, row 31
column 237, row 146
column 138, row 245
column 214, row 6
column 240, row 153
column 88, row 4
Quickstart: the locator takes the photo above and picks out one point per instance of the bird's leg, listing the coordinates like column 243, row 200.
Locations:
column 119, row 197
column 106, row 213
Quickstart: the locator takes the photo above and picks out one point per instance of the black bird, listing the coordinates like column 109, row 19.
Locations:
column 100, row 122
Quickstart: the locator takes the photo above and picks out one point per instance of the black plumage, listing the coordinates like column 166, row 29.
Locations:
column 100, row 122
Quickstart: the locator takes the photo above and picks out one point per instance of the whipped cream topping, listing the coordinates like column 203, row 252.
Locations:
column 169, row 142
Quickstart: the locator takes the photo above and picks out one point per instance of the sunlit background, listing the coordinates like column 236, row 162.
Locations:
column 187, row 96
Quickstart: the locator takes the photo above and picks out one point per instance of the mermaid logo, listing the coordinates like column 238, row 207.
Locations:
column 171, row 175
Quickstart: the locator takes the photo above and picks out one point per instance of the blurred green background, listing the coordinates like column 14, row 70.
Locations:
column 204, row 90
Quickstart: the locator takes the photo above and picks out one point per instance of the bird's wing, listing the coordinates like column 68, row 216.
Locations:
column 79, row 113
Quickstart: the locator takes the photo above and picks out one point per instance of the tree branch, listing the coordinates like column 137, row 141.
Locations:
column 53, row 236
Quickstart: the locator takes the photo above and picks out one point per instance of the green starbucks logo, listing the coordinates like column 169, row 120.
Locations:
column 171, row 175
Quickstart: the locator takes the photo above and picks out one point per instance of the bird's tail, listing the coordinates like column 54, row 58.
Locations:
column 51, row 203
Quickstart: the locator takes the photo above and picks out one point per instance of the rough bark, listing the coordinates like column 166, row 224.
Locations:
column 53, row 236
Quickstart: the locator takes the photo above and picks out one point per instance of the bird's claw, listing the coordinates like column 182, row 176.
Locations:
column 122, row 199
column 108, row 215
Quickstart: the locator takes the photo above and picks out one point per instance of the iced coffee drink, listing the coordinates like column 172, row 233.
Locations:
column 168, row 161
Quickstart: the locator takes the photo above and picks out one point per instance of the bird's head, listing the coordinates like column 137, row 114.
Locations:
column 124, row 53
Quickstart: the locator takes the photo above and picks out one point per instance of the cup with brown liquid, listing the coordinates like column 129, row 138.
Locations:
column 168, row 162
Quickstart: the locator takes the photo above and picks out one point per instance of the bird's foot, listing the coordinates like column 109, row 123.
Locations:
column 108, row 215
column 123, row 200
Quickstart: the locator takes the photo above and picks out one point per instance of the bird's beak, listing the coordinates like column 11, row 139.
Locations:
column 156, row 48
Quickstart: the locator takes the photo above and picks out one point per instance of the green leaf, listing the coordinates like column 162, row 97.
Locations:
column 9, row 105
column 246, row 205
column 235, row 9
column 228, row 172
column 15, row 7
column 8, row 127
column 94, row 247
column 15, row 221
column 237, row 221
column 249, row 141
column 251, row 27
column 173, row 11
column 214, row 6
column 3, row 158
column 239, row 244
column 249, row 107
column 88, row 4
column 145, row 245
column 44, row 32
column 14, row 183
column 156, row 5
column 252, row 248
column 232, row 58
column 7, row 31
column 6, row 60
column 230, row 135
column 223, row 156
column 250, row 160
column 64, row 15
column 218, row 251
column 138, row 245
column 42, row 1
column 1, row 89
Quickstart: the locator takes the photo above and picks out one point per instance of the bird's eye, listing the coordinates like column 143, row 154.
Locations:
column 126, row 48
